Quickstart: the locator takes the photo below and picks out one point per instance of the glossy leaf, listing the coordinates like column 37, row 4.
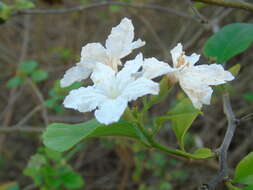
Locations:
column 235, row 69
column 27, row 67
column 39, row 75
column 203, row 153
column 181, row 117
column 229, row 41
column 244, row 170
column 61, row 137
column 15, row 81
column 9, row 186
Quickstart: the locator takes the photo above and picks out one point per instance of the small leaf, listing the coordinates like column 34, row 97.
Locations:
column 15, row 81
column 73, row 181
column 61, row 137
column 203, row 153
column 27, row 67
column 181, row 116
column 235, row 69
column 229, row 41
column 115, row 8
column 23, row 4
column 39, row 75
column 10, row 186
column 164, row 90
column 244, row 170
column 248, row 96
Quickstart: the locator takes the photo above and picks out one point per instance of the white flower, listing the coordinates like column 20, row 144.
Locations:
column 118, row 45
column 196, row 80
column 113, row 90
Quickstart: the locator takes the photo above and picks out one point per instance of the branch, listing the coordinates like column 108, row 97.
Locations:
column 27, row 129
column 223, row 150
column 103, row 4
column 230, row 3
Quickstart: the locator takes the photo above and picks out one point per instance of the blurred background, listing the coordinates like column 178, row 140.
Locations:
column 36, row 50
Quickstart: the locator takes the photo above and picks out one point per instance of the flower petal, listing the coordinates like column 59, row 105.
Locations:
column 176, row 52
column 111, row 110
column 153, row 68
column 84, row 99
column 199, row 96
column 93, row 52
column 140, row 87
column 74, row 74
column 120, row 42
column 213, row 74
column 194, row 58
column 130, row 67
column 102, row 73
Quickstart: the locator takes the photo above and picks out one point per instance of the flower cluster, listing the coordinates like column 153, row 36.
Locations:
column 113, row 88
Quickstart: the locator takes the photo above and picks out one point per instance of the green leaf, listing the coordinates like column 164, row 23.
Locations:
column 164, row 90
column 244, row 170
column 250, row 187
column 203, row 153
column 27, row 67
column 61, row 137
column 39, row 75
column 181, row 116
column 5, row 11
column 23, row 4
column 73, row 181
column 248, row 96
column 10, row 186
column 115, row 8
column 229, row 41
column 235, row 69
column 15, row 81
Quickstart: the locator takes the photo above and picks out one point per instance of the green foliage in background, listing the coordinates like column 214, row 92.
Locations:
column 28, row 69
column 50, row 171
column 6, row 10
column 229, row 41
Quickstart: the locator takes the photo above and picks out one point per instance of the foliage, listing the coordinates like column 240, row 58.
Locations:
column 50, row 171
column 229, row 41
column 27, row 69
column 7, row 10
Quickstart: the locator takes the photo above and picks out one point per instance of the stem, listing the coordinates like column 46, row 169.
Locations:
column 223, row 150
column 229, row 3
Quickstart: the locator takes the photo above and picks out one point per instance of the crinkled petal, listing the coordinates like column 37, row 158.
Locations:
column 92, row 53
column 74, row 74
column 84, row 99
column 176, row 52
column 199, row 96
column 213, row 74
column 120, row 42
column 194, row 58
column 111, row 110
column 140, row 87
column 153, row 68
column 102, row 74
column 130, row 67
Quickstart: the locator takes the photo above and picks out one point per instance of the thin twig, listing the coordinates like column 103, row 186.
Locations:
column 41, row 99
column 103, row 4
column 23, row 129
column 201, row 17
column 229, row 3
column 28, row 116
column 223, row 150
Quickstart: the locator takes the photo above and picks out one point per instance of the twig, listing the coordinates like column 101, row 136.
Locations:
column 23, row 129
column 201, row 17
column 29, row 115
column 230, row 3
column 103, row 4
column 41, row 99
column 223, row 150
